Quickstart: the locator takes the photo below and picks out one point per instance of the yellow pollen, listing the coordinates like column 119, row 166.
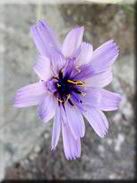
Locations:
column 75, row 82
column 79, row 83
column 70, row 81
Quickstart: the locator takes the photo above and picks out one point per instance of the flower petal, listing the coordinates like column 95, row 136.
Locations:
column 51, row 87
column 97, row 120
column 102, row 99
column 72, row 41
column 101, row 79
column 92, row 98
column 56, row 128
column 69, row 67
column 43, row 68
column 75, row 121
column 77, row 100
column 29, row 95
column 58, row 61
column 72, row 147
column 86, row 51
column 46, row 109
column 83, row 72
column 104, row 56
column 44, row 38
column 109, row 100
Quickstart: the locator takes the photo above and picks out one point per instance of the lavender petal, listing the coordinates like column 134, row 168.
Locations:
column 101, row 99
column 75, row 121
column 101, row 79
column 57, row 62
column 72, row 42
column 29, row 95
column 84, row 72
column 56, row 129
column 43, row 68
column 86, row 51
column 46, row 109
column 104, row 56
column 110, row 101
column 69, row 67
column 72, row 147
column 98, row 121
column 44, row 38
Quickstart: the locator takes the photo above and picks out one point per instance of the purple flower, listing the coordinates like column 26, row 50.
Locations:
column 72, row 77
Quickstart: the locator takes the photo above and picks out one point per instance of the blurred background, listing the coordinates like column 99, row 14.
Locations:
column 24, row 139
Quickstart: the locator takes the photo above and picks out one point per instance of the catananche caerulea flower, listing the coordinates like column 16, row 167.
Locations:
column 72, row 77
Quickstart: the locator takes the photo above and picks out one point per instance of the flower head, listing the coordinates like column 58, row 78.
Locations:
column 72, row 77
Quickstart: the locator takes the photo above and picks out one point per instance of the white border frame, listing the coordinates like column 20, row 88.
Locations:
column 66, row 1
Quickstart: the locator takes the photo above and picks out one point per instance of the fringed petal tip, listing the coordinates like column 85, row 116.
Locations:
column 38, row 24
column 114, row 45
column 78, row 29
column 112, row 101
column 104, row 134
column 41, row 34
column 73, row 158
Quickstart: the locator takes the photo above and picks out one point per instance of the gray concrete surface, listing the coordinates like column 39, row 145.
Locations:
column 26, row 140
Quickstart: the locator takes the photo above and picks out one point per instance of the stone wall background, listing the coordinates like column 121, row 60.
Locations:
column 24, row 140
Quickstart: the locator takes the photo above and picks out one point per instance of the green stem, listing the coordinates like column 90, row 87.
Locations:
column 39, row 10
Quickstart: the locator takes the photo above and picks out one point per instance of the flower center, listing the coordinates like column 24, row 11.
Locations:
column 65, row 87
